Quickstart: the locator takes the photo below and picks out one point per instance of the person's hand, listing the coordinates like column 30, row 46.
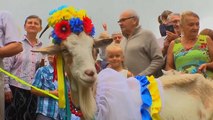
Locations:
column 171, row 36
column 104, row 25
column 105, row 33
column 8, row 96
column 202, row 68
column 54, row 92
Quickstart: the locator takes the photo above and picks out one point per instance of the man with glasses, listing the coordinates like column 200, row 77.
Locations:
column 174, row 20
column 142, row 55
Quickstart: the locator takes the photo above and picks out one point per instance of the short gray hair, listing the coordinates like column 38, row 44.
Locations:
column 172, row 14
column 187, row 13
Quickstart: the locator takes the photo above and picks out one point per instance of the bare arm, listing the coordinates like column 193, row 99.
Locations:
column 129, row 74
column 10, row 49
column 34, row 91
column 170, row 57
column 170, row 37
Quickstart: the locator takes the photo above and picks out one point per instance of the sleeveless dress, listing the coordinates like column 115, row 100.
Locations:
column 189, row 60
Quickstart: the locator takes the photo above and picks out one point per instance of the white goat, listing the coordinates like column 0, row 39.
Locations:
column 184, row 97
column 187, row 97
column 79, row 66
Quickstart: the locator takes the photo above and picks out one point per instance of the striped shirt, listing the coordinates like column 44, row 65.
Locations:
column 44, row 80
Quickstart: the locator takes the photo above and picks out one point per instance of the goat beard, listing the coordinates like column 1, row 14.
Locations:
column 87, row 102
column 85, row 97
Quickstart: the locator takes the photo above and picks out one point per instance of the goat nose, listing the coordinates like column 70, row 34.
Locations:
column 89, row 72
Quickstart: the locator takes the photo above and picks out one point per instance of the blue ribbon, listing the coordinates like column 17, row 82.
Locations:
column 145, row 96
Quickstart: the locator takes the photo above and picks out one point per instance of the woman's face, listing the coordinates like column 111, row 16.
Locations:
column 32, row 25
column 190, row 26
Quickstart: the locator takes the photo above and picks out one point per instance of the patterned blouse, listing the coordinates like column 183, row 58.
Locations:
column 188, row 60
column 23, row 65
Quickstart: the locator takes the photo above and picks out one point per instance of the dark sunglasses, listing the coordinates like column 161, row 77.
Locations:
column 124, row 19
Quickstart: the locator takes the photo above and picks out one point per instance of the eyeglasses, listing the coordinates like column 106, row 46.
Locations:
column 124, row 19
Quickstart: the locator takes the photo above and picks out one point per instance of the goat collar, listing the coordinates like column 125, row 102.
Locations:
column 75, row 109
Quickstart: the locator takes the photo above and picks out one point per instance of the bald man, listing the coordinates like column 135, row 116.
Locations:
column 142, row 55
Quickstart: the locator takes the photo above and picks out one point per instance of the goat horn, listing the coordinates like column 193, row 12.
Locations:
column 44, row 31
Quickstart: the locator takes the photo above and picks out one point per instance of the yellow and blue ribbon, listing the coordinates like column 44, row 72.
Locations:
column 150, row 96
column 145, row 96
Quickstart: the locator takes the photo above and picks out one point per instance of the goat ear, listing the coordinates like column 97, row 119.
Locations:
column 53, row 49
column 102, row 42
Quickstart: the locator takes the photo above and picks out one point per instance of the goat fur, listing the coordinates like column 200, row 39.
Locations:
column 184, row 96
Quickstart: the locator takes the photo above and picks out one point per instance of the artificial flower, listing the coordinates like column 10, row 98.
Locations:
column 55, row 18
column 76, row 25
column 65, row 20
column 62, row 29
column 55, row 39
column 92, row 33
column 88, row 26
column 62, row 7
column 81, row 14
column 71, row 10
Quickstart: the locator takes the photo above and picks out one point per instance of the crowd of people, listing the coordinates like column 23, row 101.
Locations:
column 134, row 51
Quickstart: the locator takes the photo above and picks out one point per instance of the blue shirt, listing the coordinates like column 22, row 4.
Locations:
column 44, row 80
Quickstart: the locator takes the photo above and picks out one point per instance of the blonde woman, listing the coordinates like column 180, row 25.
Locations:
column 191, row 53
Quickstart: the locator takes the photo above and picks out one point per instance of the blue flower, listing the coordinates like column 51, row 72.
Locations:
column 76, row 25
column 59, row 8
column 62, row 7
column 56, row 40
column 92, row 33
column 52, row 11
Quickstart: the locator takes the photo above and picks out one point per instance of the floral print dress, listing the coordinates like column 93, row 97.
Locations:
column 189, row 60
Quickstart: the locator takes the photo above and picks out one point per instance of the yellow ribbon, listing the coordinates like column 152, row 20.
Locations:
column 27, row 84
column 156, row 100
column 60, row 77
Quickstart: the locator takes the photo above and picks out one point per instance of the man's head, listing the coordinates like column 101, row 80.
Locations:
column 33, row 24
column 117, row 37
column 174, row 19
column 208, row 32
column 128, row 21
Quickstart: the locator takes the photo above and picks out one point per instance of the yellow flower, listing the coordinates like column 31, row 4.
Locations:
column 81, row 14
column 66, row 14
column 56, row 17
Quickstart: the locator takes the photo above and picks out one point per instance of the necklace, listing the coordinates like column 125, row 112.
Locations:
column 75, row 110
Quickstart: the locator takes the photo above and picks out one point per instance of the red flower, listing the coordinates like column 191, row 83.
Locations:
column 62, row 29
column 87, row 23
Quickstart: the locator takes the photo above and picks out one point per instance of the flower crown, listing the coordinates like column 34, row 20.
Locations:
column 66, row 20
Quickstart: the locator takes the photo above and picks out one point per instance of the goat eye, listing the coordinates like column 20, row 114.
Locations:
column 74, row 43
